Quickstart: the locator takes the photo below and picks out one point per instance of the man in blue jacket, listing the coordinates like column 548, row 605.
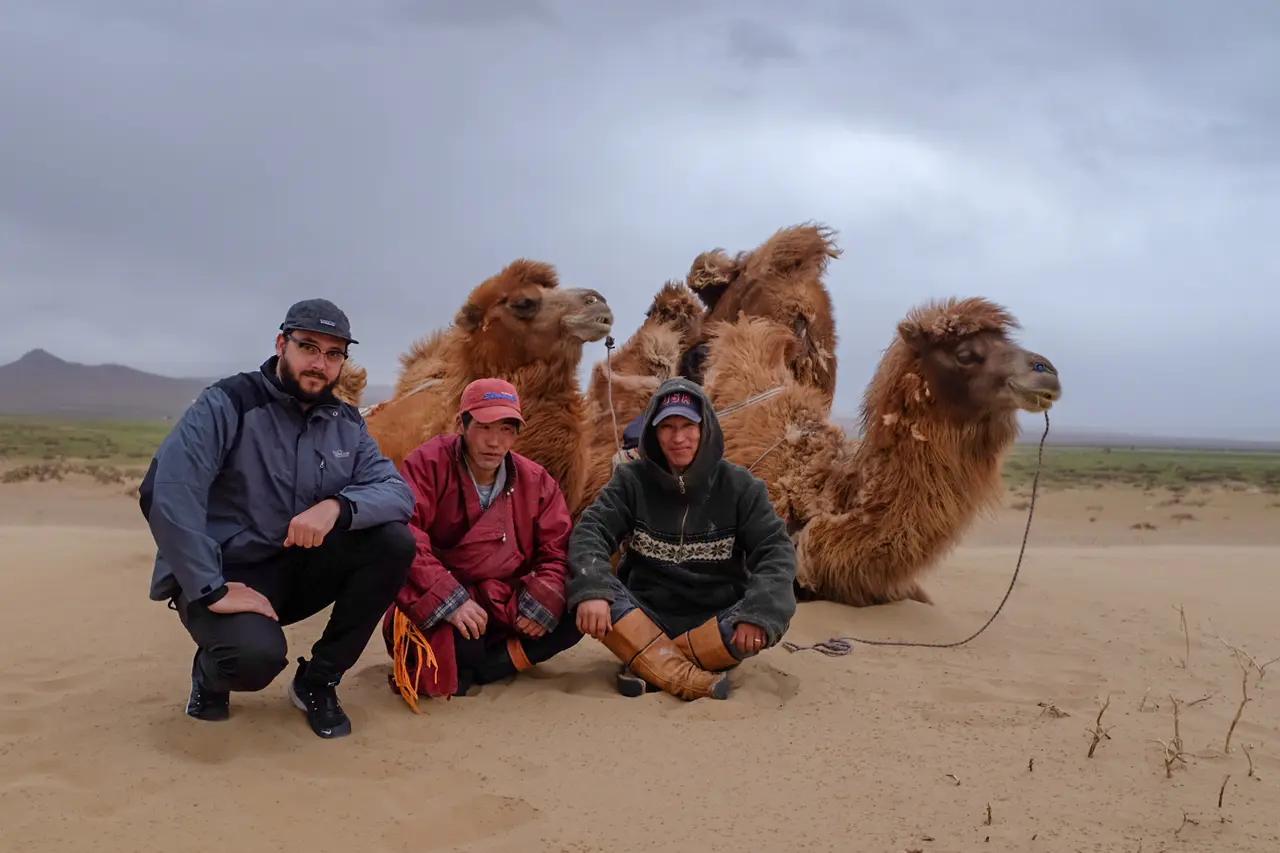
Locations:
column 268, row 502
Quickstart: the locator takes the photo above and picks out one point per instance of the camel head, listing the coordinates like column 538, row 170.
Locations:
column 969, row 364
column 524, row 314
column 711, row 273
column 676, row 306
column 584, row 314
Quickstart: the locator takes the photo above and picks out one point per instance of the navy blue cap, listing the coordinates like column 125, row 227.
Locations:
column 680, row 403
column 318, row 315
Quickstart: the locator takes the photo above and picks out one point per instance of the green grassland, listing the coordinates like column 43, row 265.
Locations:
column 30, row 439
column 1176, row 470
column 44, row 448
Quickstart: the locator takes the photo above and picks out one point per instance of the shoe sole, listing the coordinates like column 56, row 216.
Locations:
column 216, row 717
column 341, row 731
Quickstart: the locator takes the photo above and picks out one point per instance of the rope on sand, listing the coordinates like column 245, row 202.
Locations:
column 840, row 646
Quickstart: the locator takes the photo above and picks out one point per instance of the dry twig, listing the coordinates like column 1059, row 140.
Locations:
column 1223, row 789
column 1249, row 756
column 1186, row 635
column 1204, row 698
column 1098, row 731
column 1173, row 753
column 1185, row 820
column 954, row 778
column 1244, row 690
column 1247, row 660
column 987, row 822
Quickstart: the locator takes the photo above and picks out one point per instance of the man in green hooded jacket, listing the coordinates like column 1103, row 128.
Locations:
column 707, row 577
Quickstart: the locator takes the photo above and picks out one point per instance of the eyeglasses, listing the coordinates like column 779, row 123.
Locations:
column 331, row 356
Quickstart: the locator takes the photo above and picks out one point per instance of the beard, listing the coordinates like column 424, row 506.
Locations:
column 289, row 381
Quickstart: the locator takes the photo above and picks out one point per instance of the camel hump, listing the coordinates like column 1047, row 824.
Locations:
column 710, row 275
column 798, row 249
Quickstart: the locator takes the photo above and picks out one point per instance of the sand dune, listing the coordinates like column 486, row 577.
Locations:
column 849, row 753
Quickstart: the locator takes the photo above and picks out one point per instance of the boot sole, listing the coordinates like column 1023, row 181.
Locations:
column 341, row 731
column 630, row 686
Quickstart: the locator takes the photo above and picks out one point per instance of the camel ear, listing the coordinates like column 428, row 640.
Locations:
column 912, row 335
column 469, row 317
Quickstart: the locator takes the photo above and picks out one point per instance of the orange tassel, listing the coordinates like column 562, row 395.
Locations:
column 406, row 635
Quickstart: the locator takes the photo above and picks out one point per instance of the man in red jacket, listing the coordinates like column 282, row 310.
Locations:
column 486, row 587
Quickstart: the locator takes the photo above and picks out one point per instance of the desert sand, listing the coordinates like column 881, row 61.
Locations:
column 884, row 749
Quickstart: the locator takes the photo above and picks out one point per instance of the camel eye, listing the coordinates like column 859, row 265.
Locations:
column 1040, row 367
column 967, row 356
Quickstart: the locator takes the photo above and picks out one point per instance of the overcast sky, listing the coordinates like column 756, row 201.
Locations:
column 173, row 175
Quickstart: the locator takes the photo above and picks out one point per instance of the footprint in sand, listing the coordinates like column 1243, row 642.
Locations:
column 757, row 687
column 453, row 822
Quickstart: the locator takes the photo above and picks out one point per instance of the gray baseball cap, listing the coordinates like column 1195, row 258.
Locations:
column 318, row 315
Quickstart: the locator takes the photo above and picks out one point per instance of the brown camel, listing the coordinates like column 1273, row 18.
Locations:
column 780, row 280
column 351, row 383
column 937, row 420
column 648, row 358
column 518, row 325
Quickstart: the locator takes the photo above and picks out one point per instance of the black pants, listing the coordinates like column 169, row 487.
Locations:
column 359, row 572
column 482, row 663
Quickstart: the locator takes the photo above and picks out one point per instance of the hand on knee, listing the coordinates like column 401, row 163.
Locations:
column 748, row 640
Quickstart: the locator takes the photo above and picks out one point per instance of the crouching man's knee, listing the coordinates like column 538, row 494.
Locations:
column 253, row 664
column 396, row 547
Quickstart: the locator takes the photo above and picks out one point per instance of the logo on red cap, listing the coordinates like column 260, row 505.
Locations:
column 491, row 400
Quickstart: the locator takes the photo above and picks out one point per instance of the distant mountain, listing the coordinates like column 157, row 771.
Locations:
column 40, row 383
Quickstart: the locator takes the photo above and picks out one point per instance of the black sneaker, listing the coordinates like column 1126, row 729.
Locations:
column 320, row 703
column 204, row 704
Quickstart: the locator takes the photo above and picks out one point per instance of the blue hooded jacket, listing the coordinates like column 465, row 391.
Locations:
column 241, row 463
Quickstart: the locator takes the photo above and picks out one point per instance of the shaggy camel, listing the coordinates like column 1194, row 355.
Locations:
column 648, row 358
column 780, row 280
column 937, row 419
column 518, row 325
column 351, row 383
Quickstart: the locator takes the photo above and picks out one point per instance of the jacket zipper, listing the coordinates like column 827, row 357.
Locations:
column 683, row 518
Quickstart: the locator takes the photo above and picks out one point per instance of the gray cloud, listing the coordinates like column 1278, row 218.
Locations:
column 173, row 175
column 753, row 44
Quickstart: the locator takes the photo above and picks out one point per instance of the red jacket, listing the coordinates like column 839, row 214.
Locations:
column 519, row 544
column 531, row 512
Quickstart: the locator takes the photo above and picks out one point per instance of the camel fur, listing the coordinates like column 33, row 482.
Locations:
column 780, row 280
column 870, row 515
column 518, row 325
column 648, row 358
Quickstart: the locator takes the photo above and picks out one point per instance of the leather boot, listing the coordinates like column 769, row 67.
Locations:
column 704, row 647
column 649, row 653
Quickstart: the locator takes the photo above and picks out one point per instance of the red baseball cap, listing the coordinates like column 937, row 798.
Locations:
column 490, row 400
